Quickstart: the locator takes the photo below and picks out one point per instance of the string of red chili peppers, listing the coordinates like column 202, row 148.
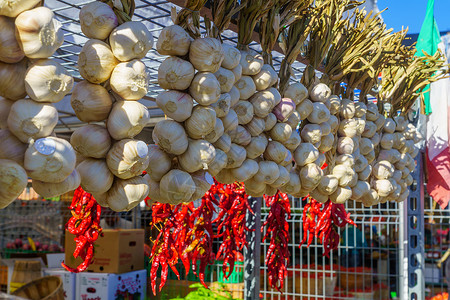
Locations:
column 324, row 224
column 85, row 225
column 277, row 257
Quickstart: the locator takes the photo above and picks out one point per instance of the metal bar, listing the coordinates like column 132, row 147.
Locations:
column 253, row 253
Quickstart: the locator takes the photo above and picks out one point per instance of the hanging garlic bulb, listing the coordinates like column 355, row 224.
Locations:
column 311, row 133
column 268, row 172
column 236, row 156
column 294, row 141
column 223, row 143
column 217, row 132
column 319, row 114
column 13, row 180
column 91, row 102
column 10, row 51
column 283, row 178
column 96, row 61
column 130, row 80
column 49, row 190
column 265, row 77
column 281, row 132
column 177, row 186
column 89, row 170
column 176, row 105
column 257, row 146
column 91, row 141
column 226, row 79
column 201, row 122
column 127, row 119
column 12, row 80
column 159, row 162
column 203, row 181
column 234, row 96
column 170, row 137
column 230, row 121
column 29, row 119
column 305, row 154
column 175, row 73
column 11, row 148
column 38, row 32
column 206, row 54
column 225, row 176
column 293, row 186
column 247, row 170
column 297, row 92
column 219, row 162
column 310, row 176
column 320, row 93
column 294, row 120
column 237, row 71
column 128, row 158
column 173, row 40
column 263, row 103
column 256, row 126
column 127, row 194
column 47, row 81
column 49, row 159
column 130, row 40
column 222, row 106
column 97, row 20
column 246, row 87
column 199, row 154
column 244, row 111
column 231, row 57
column 154, row 192
column 14, row 8
column 205, row 88
column 270, row 121
column 251, row 62
column 305, row 108
column 276, row 152
column 5, row 108
column 240, row 136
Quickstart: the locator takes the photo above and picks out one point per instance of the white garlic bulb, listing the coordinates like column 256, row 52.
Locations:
column 257, row 146
column 205, row 88
column 305, row 154
column 49, row 159
column 270, row 121
column 95, row 175
column 176, row 105
column 297, row 92
column 234, row 96
column 222, row 106
column 265, row 77
column 159, row 162
column 32, row 120
column 230, row 121
column 5, row 108
column 223, row 143
column 49, row 190
column 201, row 122
column 127, row 158
column 170, row 137
column 154, row 192
column 247, row 170
column 217, row 132
column 177, row 186
column 256, row 126
column 127, row 119
column 91, row 102
column 268, row 172
column 12, row 80
column 130, row 40
column 246, row 87
column 127, row 194
column 293, row 186
column 226, row 79
column 251, row 62
column 175, row 73
column 206, row 54
column 305, row 108
column 236, row 156
column 203, row 181
column 173, row 40
column 47, row 81
column 96, row 61
column 39, row 33
column 294, row 141
column 263, row 103
column 14, row 8
column 199, row 155
column 320, row 93
column 281, row 132
column 11, row 147
column 240, row 136
column 244, row 111
column 310, row 176
column 91, row 141
column 13, row 180
column 10, row 51
column 219, row 162
column 276, row 152
column 97, row 20
column 232, row 56
column 237, row 71
column 130, row 80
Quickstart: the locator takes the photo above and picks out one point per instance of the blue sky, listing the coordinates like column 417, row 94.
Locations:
column 412, row 12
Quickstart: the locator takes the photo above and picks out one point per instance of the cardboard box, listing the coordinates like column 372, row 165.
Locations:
column 68, row 279
column 118, row 251
column 104, row 286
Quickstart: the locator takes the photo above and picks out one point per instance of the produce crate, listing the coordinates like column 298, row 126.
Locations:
column 3, row 275
column 237, row 276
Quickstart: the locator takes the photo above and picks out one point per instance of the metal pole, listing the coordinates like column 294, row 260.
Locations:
column 403, row 251
column 253, row 253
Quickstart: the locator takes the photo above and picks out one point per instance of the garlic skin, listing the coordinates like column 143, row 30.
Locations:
column 293, row 142
column 130, row 40
column 320, row 93
column 304, row 109
column 264, row 79
column 297, row 92
column 263, row 103
column 173, row 40
column 97, row 20
column 244, row 111
column 305, row 154
column 32, row 120
column 91, row 141
column 154, row 192
column 268, row 172
column 237, row 71
column 311, row 133
column 5, row 108
column 12, row 80
column 283, row 178
column 231, row 57
column 47, row 81
column 130, row 80
column 240, row 136
column 275, row 152
column 127, row 119
column 247, row 170
column 234, row 96
column 126, row 194
column 230, row 121
column 206, row 54
column 89, row 171
column 226, row 79
column 270, row 121
column 310, row 176
column 219, row 162
column 256, row 126
column 199, row 155
column 223, row 143
column 205, row 88
column 11, row 147
column 127, row 158
column 91, row 102
column 251, row 62
column 246, row 87
column 319, row 114
column 38, row 32
column 203, row 181
column 257, row 146
column 177, row 186
column 201, row 122
column 159, row 162
column 14, row 8
column 236, row 156
column 10, row 51
column 217, row 132
column 176, row 105
column 175, row 73
column 222, row 106
column 96, row 61
column 13, row 180
column 49, row 159
column 49, row 190
column 281, row 132
column 170, row 137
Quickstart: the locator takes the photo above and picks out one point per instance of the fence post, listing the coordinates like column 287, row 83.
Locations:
column 253, row 253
